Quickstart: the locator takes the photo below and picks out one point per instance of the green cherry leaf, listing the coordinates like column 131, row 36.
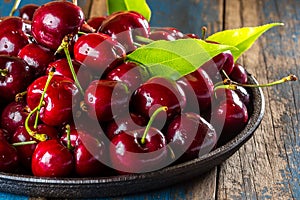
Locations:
column 139, row 6
column 175, row 59
column 242, row 38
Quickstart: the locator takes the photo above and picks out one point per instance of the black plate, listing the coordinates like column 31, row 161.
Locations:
column 128, row 184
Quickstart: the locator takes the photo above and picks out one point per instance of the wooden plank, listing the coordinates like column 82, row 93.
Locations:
column 267, row 167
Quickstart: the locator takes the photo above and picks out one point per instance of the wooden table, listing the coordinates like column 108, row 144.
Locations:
column 268, row 165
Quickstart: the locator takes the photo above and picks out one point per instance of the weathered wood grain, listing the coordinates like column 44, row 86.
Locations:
column 267, row 167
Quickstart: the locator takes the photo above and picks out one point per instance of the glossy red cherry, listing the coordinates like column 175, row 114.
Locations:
column 106, row 99
column 54, row 20
column 125, row 123
column 89, row 154
column 51, row 159
column 96, row 22
column 97, row 51
column 229, row 118
column 14, row 116
column 57, row 108
column 128, row 154
column 25, row 151
column 239, row 74
column 14, row 77
column 8, row 157
column 13, row 24
column 130, row 73
column 37, row 57
column 198, row 88
column 125, row 26
column 157, row 92
column 161, row 35
column 12, row 42
column 26, row 12
column 190, row 136
column 177, row 34
column 62, row 68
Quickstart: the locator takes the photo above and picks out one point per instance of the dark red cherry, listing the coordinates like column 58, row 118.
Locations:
column 192, row 35
column 106, row 99
column 12, row 42
column 14, row 77
column 74, row 136
column 125, row 123
column 243, row 94
column 128, row 154
column 57, row 108
column 37, row 57
column 96, row 22
column 97, row 51
column 190, row 136
column 239, row 74
column 4, row 135
column 125, row 26
column 26, row 12
column 161, row 35
column 130, row 73
column 12, row 24
column 229, row 118
column 8, row 157
column 54, row 20
column 52, row 159
column 157, row 92
column 172, row 31
column 25, row 151
column 14, row 116
column 62, row 68
column 89, row 155
column 197, row 86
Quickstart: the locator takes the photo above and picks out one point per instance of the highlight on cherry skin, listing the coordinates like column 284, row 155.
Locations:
column 75, row 105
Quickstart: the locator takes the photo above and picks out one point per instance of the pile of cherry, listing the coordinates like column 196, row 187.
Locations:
column 113, row 117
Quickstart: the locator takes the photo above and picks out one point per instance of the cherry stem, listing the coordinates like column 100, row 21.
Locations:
column 65, row 46
column 50, row 76
column 203, row 31
column 23, row 143
column 20, row 96
column 3, row 72
column 15, row 7
column 68, row 130
column 34, row 134
column 151, row 120
column 291, row 77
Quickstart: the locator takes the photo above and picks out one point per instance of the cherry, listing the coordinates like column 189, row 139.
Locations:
column 128, row 72
column 8, row 157
column 52, row 159
column 25, row 151
column 239, row 74
column 27, row 11
column 229, row 118
column 97, row 51
column 96, row 22
column 54, row 20
column 124, row 123
column 197, row 84
column 106, row 99
column 190, row 136
column 62, row 68
column 158, row 91
column 37, row 57
column 14, row 77
column 125, row 26
column 174, row 32
column 57, row 106
column 161, row 35
column 4, row 135
column 14, row 116
column 129, row 154
column 13, row 25
column 243, row 94
column 88, row 154
column 12, row 42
